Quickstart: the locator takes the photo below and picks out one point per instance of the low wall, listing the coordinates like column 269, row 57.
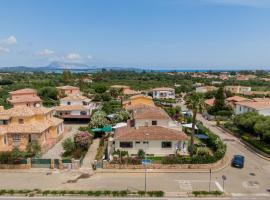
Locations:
column 215, row 165
column 15, row 166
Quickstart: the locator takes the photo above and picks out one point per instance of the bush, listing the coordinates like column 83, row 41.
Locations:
column 33, row 149
column 68, row 146
column 216, row 193
column 82, row 140
column 141, row 154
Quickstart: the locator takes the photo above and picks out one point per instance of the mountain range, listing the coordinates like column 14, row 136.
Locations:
column 61, row 66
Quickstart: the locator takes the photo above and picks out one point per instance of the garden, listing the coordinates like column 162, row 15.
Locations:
column 253, row 129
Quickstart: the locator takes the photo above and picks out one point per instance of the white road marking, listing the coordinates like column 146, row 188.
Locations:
column 247, row 195
column 219, row 186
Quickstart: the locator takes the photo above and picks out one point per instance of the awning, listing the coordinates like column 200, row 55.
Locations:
column 119, row 125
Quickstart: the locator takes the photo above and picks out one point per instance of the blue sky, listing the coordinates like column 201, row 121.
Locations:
column 175, row 34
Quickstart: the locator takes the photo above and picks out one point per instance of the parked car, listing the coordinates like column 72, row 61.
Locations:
column 238, row 161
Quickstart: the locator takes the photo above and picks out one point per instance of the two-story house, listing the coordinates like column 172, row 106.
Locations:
column 24, row 97
column 21, row 125
column 75, row 107
column 137, row 100
column 150, row 131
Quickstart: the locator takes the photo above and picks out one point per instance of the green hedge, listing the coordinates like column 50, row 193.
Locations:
column 215, row 193
column 213, row 142
column 97, row 193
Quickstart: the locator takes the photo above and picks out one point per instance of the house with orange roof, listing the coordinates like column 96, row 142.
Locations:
column 231, row 101
column 262, row 107
column 154, row 140
column 75, row 106
column 125, row 89
column 21, row 125
column 163, row 93
column 24, row 97
column 67, row 90
column 209, row 102
column 137, row 100
column 145, row 115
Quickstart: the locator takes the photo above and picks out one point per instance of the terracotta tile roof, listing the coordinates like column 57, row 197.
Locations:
column 24, row 111
column 149, row 133
column 255, row 105
column 25, row 99
column 149, row 112
column 236, row 99
column 209, row 102
column 68, row 87
column 163, row 89
column 140, row 96
column 70, row 108
column 23, row 91
column 261, row 99
column 74, row 97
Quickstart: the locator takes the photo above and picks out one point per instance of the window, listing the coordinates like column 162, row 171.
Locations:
column 16, row 138
column 145, row 142
column 5, row 139
column 166, row 144
column 138, row 142
column 126, row 144
column 21, row 121
column 68, row 103
column 154, row 123
column 83, row 113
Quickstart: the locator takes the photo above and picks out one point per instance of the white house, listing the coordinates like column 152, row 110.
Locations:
column 163, row 93
column 153, row 140
column 262, row 107
column 75, row 107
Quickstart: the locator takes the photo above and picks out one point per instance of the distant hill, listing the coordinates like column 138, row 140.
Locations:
column 61, row 66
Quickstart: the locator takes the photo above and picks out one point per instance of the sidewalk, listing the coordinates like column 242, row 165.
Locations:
column 90, row 157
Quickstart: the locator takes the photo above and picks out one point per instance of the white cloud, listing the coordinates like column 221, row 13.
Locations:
column 45, row 52
column 73, row 57
column 11, row 40
column 4, row 50
column 250, row 3
column 90, row 57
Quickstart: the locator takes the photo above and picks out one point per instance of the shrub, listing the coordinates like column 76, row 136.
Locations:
column 141, row 154
column 68, row 146
column 33, row 149
column 141, row 193
column 82, row 140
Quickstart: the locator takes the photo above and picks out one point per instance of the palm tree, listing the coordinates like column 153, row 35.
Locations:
column 195, row 103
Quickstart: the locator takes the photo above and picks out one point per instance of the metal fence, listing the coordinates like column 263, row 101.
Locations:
column 40, row 163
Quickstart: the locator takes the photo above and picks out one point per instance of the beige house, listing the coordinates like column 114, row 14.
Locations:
column 144, row 115
column 260, row 105
column 204, row 89
column 67, row 90
column 238, row 89
column 21, row 125
column 24, row 97
column 154, row 140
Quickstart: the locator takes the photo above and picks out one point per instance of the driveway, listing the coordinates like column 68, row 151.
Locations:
column 56, row 151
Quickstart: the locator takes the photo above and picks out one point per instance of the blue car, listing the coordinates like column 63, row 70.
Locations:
column 238, row 161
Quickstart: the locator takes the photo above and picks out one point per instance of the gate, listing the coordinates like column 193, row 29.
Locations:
column 41, row 163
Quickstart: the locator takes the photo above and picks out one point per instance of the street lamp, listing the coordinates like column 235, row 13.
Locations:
column 210, row 177
column 223, row 181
